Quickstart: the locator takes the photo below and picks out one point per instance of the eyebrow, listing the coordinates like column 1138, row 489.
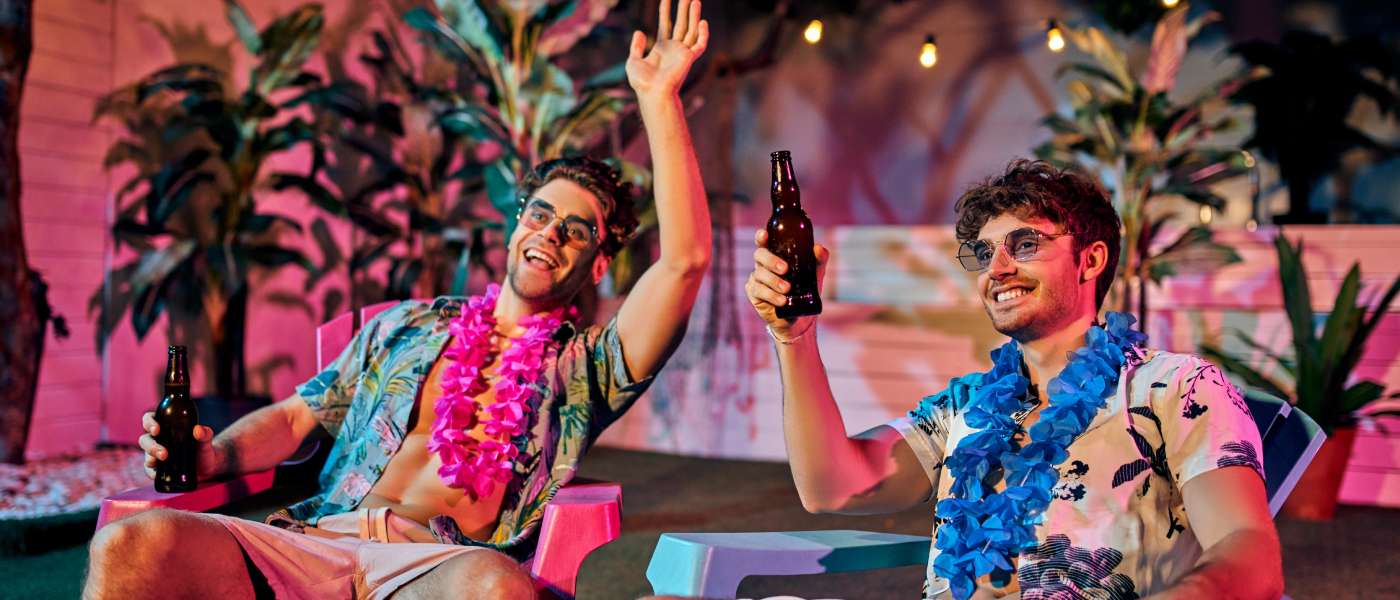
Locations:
column 541, row 202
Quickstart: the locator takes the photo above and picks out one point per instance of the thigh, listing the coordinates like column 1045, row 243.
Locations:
column 430, row 571
column 296, row 565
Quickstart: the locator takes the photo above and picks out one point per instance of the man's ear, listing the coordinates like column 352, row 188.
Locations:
column 1093, row 259
column 600, row 267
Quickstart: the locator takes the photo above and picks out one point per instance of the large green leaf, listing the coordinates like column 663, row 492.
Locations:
column 1297, row 302
column 1194, row 252
column 1339, row 330
column 243, row 26
column 1357, row 396
column 569, row 22
column 470, row 21
column 285, row 45
column 1252, row 377
column 1283, row 362
column 501, row 190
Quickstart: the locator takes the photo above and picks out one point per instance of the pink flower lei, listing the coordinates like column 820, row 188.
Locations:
column 468, row 463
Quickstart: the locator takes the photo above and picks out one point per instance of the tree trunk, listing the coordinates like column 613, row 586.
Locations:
column 228, row 336
column 22, row 333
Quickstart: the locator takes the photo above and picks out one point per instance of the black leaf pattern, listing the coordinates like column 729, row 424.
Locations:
column 1059, row 570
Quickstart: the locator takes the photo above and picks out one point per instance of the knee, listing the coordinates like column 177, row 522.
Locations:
column 137, row 539
column 490, row 574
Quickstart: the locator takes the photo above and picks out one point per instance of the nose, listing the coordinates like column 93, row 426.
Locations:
column 554, row 232
column 1002, row 264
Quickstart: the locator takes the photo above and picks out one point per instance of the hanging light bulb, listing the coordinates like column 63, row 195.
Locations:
column 928, row 56
column 1054, row 38
column 1170, row 3
column 813, row 33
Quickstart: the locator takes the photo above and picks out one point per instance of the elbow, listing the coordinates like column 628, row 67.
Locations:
column 691, row 265
column 818, row 506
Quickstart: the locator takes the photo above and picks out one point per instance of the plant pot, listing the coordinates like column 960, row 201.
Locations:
column 1315, row 496
column 217, row 413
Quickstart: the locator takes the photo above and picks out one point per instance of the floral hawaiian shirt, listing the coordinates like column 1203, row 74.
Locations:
column 365, row 397
column 1117, row 527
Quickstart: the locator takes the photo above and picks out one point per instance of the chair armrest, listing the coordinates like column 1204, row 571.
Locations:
column 711, row 565
column 209, row 495
column 580, row 518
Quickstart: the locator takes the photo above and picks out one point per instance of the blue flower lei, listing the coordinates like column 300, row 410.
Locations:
column 981, row 529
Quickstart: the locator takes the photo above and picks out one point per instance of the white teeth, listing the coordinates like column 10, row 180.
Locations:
column 542, row 257
column 1009, row 294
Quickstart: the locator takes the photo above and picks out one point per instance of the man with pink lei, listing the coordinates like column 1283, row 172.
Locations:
column 455, row 421
column 1083, row 464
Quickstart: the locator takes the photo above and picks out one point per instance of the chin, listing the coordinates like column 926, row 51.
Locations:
column 547, row 295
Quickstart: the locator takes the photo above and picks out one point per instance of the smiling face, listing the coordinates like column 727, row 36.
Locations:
column 544, row 267
column 1031, row 299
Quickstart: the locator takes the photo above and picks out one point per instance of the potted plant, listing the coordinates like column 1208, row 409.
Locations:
column 190, row 212
column 1145, row 147
column 1320, row 368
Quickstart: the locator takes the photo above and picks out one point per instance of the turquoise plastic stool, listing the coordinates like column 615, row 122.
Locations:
column 711, row 565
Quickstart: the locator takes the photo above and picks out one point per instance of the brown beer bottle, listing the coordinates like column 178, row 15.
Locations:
column 177, row 416
column 790, row 238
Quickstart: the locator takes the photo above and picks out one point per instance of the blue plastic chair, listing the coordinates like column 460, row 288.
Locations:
column 711, row 565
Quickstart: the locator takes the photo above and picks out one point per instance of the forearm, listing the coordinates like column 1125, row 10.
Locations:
column 258, row 441
column 830, row 469
column 1245, row 565
column 682, row 210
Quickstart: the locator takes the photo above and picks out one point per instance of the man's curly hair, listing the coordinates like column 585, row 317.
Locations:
column 601, row 180
column 1069, row 198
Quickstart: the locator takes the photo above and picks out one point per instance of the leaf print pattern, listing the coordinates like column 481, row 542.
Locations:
column 1240, row 454
column 1211, row 375
column 365, row 398
column 1059, row 570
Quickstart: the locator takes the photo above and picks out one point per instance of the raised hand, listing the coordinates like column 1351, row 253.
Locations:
column 658, row 73
column 767, row 290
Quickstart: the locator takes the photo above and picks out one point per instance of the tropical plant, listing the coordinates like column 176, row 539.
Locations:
column 1322, row 362
column 1147, row 148
column 190, row 212
column 1303, row 90
column 484, row 104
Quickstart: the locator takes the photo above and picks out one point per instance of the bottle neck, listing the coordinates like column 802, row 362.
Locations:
column 785, row 192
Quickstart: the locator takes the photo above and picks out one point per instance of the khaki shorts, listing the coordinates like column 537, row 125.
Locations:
column 369, row 553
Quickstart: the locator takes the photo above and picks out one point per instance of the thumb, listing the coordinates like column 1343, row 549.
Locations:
column 639, row 45
column 202, row 433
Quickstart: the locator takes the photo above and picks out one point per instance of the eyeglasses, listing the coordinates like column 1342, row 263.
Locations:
column 578, row 233
column 1022, row 244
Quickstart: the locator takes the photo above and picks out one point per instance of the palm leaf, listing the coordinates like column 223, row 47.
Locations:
column 1251, row 377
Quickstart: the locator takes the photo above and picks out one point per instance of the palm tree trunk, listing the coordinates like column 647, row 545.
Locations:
column 22, row 336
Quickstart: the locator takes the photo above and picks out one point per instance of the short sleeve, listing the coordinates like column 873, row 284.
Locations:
column 330, row 393
column 926, row 427
column 602, row 370
column 1208, row 425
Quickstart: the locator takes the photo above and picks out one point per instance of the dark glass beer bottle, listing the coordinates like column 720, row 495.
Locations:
column 790, row 238
column 177, row 416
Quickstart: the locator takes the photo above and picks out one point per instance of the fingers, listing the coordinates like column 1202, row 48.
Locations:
column 692, row 29
column 702, row 38
column 760, row 238
column 639, row 45
column 821, row 253
column 154, row 451
column 772, row 280
column 203, row 434
column 760, row 293
column 682, row 20
column 149, row 424
column 763, row 259
column 663, row 28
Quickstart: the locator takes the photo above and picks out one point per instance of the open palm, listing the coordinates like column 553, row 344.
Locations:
column 662, row 69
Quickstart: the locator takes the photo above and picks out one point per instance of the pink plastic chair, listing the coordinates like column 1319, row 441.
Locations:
column 582, row 517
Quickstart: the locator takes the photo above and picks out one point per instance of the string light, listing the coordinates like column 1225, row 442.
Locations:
column 1170, row 3
column 1054, row 38
column 1207, row 214
column 928, row 56
column 813, row 33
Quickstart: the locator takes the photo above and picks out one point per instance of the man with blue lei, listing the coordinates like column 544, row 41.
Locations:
column 1083, row 464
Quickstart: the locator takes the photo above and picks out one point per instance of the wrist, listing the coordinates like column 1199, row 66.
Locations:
column 658, row 100
column 793, row 333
